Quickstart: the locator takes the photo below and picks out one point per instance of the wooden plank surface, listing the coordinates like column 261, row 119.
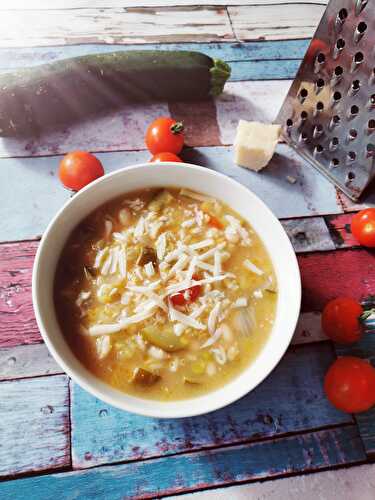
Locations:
column 34, row 429
column 262, row 413
column 114, row 25
column 27, row 361
column 28, row 206
column 180, row 473
column 103, row 4
column 340, row 484
column 324, row 276
column 125, row 129
column 331, row 274
column 266, row 22
column 366, row 421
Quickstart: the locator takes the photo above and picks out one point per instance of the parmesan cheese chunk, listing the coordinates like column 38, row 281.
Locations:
column 255, row 144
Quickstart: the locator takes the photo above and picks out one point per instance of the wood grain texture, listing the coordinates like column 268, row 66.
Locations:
column 324, row 276
column 180, row 473
column 339, row 484
column 331, row 274
column 114, row 25
column 17, row 325
column 339, row 228
column 124, row 129
column 82, row 4
column 266, row 22
column 28, row 206
column 262, row 413
column 309, row 235
column 366, row 421
column 27, row 361
column 232, row 52
column 34, row 360
column 34, row 425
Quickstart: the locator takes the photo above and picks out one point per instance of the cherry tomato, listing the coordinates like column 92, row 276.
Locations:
column 79, row 168
column 350, row 384
column 340, row 320
column 165, row 134
column 363, row 227
column 160, row 157
column 214, row 222
column 186, row 296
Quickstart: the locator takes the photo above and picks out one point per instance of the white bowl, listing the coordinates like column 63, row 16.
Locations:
column 163, row 175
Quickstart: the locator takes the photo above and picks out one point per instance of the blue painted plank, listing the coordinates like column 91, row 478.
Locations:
column 180, row 473
column 31, row 193
column 366, row 421
column 34, row 427
column 290, row 400
column 229, row 51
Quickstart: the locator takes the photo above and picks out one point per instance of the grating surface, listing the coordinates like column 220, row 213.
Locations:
column 328, row 115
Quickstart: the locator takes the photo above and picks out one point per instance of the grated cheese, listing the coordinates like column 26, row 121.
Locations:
column 252, row 267
column 103, row 346
column 108, row 329
column 213, row 317
column 241, row 302
column 184, row 319
column 217, row 263
column 149, row 269
column 161, row 246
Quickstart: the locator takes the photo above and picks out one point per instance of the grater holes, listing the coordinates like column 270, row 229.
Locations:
column 317, row 131
column 358, row 57
column 302, row 95
column 371, row 124
column 350, row 176
column 354, row 110
column 335, row 162
column 304, row 115
column 343, row 14
column 371, row 102
column 338, row 71
column 356, row 85
column 320, row 58
column 351, row 156
column 333, row 144
column 289, row 122
column 319, row 106
column 352, row 135
column 359, row 6
column 336, row 97
column 336, row 119
column 319, row 148
column 362, row 27
column 359, row 31
column 370, row 150
column 339, row 46
column 319, row 84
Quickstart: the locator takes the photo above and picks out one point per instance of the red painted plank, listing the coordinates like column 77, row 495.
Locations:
column 339, row 228
column 341, row 272
column 324, row 276
column 200, row 121
column 17, row 323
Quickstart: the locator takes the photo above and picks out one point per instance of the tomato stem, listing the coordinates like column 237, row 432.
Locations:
column 177, row 128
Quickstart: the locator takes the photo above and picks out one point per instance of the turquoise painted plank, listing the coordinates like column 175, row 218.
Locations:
column 229, row 51
column 365, row 421
column 180, row 473
column 34, row 426
column 264, row 70
column 290, row 400
column 31, row 193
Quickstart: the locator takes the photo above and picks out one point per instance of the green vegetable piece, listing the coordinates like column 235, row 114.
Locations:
column 161, row 199
column 164, row 338
column 144, row 377
column 220, row 72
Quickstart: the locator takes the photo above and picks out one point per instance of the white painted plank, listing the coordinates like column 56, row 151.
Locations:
column 84, row 4
column 115, row 25
column 344, row 484
column 34, row 425
column 252, row 101
column 270, row 22
column 308, row 329
column 27, row 361
column 124, row 129
column 309, row 235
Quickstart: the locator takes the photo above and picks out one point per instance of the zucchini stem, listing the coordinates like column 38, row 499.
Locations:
column 220, row 72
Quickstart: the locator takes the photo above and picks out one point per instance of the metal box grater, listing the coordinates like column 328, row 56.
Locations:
column 328, row 116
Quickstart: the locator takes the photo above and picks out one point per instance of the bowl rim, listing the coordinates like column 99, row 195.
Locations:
column 159, row 409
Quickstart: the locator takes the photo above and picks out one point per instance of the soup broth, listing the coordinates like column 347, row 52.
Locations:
column 165, row 294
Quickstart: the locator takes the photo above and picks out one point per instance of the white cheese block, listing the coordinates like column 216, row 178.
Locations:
column 255, row 144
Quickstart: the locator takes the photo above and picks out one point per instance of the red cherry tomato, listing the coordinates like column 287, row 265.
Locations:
column 340, row 320
column 160, row 157
column 350, row 384
column 165, row 134
column 363, row 227
column 79, row 168
column 186, row 296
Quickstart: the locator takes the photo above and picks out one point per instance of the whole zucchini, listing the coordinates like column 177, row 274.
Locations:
column 59, row 93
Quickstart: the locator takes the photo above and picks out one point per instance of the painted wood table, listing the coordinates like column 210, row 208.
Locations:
column 57, row 441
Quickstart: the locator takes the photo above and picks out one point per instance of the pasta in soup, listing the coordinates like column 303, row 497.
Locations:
column 165, row 294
